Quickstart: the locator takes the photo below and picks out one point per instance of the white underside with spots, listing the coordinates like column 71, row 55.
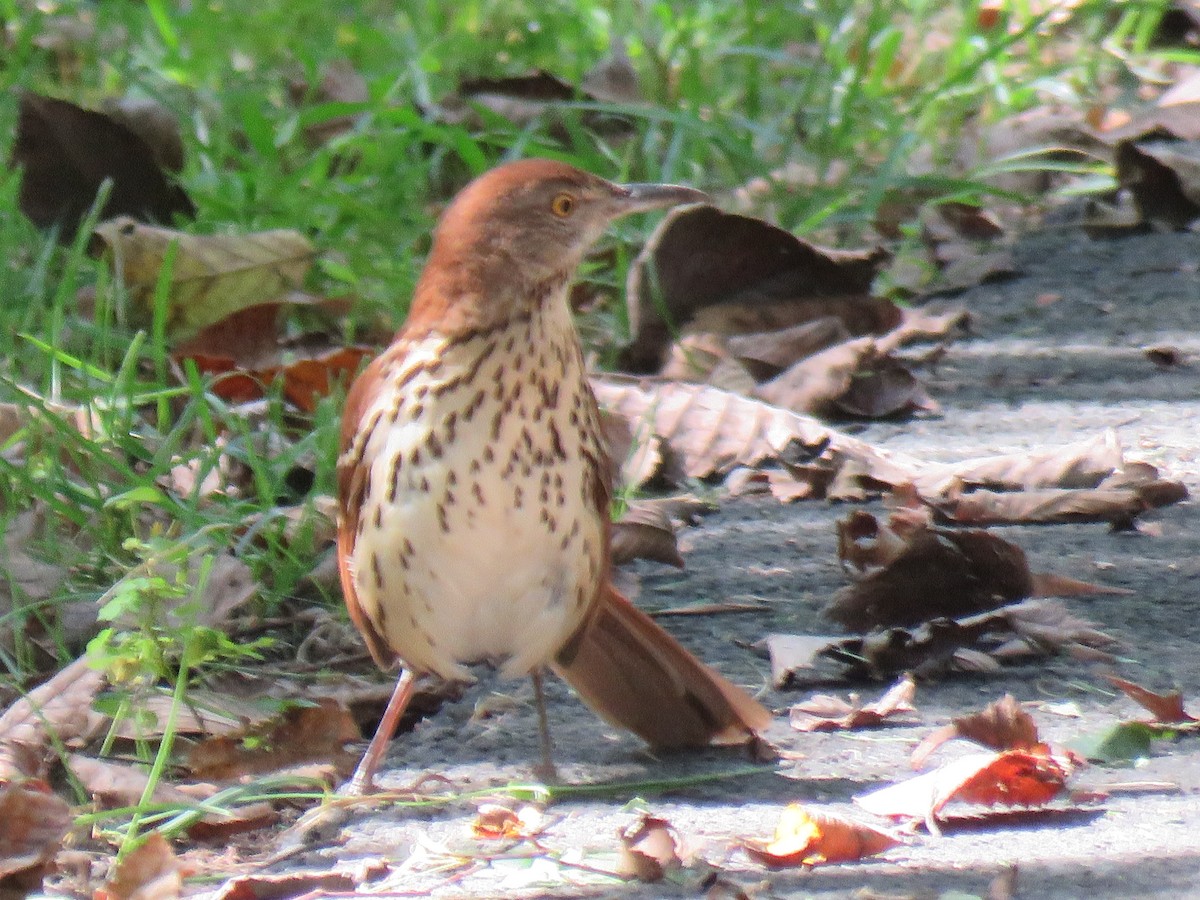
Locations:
column 488, row 578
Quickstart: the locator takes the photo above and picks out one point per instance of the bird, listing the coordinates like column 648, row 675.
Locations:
column 474, row 483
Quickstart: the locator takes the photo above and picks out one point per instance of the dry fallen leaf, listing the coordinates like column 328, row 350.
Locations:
column 793, row 654
column 980, row 643
column 645, row 531
column 152, row 871
column 1002, row 725
column 649, row 849
column 827, row 713
column 212, row 276
column 62, row 705
column 494, row 821
column 1008, row 778
column 849, row 379
column 940, row 573
column 1166, row 708
column 304, row 734
column 35, row 822
column 66, row 153
column 710, row 432
column 700, row 257
column 809, row 837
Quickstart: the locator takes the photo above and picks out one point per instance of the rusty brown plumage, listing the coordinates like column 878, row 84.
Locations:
column 473, row 478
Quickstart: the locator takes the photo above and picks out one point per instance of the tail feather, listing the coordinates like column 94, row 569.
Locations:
column 638, row 677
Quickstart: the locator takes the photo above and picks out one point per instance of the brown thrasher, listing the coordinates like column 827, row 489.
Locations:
column 474, row 480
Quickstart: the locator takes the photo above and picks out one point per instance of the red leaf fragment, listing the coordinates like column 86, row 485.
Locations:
column 808, row 837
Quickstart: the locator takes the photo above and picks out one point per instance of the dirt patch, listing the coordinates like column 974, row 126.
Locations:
column 1058, row 356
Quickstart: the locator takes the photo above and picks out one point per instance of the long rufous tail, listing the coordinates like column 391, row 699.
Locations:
column 638, row 677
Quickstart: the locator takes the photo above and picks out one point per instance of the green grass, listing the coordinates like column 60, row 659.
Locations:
column 855, row 92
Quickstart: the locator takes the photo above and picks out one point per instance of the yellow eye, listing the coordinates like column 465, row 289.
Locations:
column 562, row 205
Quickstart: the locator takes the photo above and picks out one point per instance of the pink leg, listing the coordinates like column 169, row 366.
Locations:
column 363, row 780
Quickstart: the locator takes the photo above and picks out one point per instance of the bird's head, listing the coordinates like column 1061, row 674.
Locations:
column 517, row 230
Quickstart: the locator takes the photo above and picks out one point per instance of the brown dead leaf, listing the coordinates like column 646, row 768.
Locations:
column 792, row 654
column 494, row 821
column 307, row 375
column 710, row 432
column 35, row 823
column 340, row 84
column 850, row 379
column 649, row 849
column 645, row 531
column 865, row 543
column 1084, row 464
column 1117, row 506
column 1166, row 708
column 150, row 872
column 810, row 837
column 62, row 705
column 1163, row 177
column 524, row 99
column 700, row 257
column 312, row 883
column 154, row 124
column 66, row 153
column 767, row 353
column 980, row 643
column 115, row 784
column 212, row 277
column 1047, row 584
column 941, row 573
column 828, row 713
column 969, row 268
column 1002, row 725
column 205, row 712
column 1008, row 778
column 304, row 734
column 28, row 577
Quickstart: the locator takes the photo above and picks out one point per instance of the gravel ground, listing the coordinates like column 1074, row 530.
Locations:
column 1038, row 373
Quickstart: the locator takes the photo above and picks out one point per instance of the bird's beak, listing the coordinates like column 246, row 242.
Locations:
column 634, row 198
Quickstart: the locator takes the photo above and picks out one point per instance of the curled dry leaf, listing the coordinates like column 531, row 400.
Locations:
column 1166, row 708
column 645, row 531
column 865, row 543
column 940, row 573
column 809, row 837
column 649, row 849
column 1002, row 725
column 1163, row 177
column 212, row 275
column 794, row 654
column 1008, row 778
column 827, row 713
column 767, row 353
column 712, row 432
column 850, row 379
column 66, row 153
column 35, row 823
column 152, row 871
column 700, row 257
